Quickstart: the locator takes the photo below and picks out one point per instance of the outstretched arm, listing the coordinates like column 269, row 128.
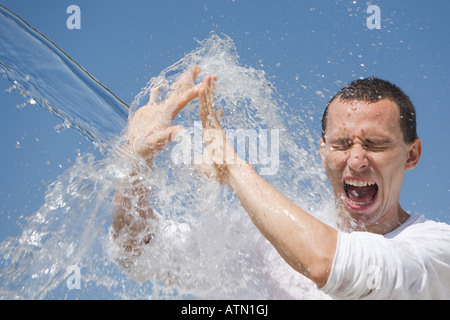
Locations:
column 305, row 243
column 150, row 129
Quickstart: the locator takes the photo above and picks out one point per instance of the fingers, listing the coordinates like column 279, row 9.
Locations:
column 164, row 137
column 202, row 110
column 183, row 91
column 190, row 76
column 195, row 72
column 153, row 142
column 220, row 114
column 184, row 99
column 207, row 112
column 153, row 94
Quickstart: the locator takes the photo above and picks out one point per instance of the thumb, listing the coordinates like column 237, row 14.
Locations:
column 172, row 132
column 162, row 138
column 220, row 113
column 204, row 166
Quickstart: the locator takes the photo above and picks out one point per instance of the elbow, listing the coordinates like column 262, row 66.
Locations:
column 319, row 274
column 318, row 271
column 320, row 268
column 323, row 262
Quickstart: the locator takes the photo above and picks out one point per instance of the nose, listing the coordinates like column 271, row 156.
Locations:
column 357, row 158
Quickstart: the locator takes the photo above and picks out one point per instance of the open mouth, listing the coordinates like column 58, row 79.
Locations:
column 360, row 194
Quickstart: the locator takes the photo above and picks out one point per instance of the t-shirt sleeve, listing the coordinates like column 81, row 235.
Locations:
column 415, row 265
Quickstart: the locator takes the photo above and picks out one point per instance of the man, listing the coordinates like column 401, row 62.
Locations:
column 369, row 140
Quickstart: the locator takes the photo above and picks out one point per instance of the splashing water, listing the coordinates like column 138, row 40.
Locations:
column 205, row 246
column 46, row 75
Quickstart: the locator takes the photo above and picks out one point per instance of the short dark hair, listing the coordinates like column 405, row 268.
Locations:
column 372, row 90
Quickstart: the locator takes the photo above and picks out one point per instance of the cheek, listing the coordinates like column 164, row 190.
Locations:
column 392, row 169
column 334, row 163
column 333, row 159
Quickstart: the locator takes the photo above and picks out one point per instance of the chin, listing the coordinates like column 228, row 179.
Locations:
column 357, row 217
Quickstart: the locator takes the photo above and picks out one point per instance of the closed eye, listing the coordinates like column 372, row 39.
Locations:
column 341, row 144
column 376, row 145
column 375, row 148
column 340, row 147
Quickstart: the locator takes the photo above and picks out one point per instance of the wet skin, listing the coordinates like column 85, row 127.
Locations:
column 365, row 157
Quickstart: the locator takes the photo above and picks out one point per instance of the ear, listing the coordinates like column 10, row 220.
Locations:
column 322, row 150
column 414, row 153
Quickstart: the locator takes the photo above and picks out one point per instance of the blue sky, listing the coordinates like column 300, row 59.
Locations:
column 308, row 49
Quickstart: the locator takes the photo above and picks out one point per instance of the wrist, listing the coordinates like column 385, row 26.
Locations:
column 239, row 173
column 139, row 157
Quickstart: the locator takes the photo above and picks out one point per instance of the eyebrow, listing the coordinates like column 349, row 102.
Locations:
column 377, row 140
column 369, row 140
column 341, row 140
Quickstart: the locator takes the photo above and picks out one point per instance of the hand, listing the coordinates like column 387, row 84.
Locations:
column 220, row 154
column 150, row 128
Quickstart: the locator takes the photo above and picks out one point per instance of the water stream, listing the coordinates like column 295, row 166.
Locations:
column 205, row 245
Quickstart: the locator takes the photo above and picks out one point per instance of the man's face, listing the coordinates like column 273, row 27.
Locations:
column 365, row 157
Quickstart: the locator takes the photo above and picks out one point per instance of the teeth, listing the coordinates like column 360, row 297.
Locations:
column 360, row 203
column 359, row 183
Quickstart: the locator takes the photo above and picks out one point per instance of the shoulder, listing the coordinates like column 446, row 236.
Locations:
column 420, row 228
column 413, row 261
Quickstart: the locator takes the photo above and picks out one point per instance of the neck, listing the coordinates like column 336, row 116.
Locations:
column 383, row 225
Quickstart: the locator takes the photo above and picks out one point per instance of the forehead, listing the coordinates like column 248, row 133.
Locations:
column 358, row 117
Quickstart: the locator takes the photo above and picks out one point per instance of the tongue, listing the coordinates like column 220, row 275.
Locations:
column 361, row 194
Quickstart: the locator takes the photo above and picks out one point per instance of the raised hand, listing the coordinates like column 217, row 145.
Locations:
column 219, row 154
column 150, row 128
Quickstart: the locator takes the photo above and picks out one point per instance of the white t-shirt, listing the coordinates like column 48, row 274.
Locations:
column 215, row 258
column 411, row 262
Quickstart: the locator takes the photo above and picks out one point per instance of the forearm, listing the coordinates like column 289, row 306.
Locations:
column 133, row 216
column 304, row 242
